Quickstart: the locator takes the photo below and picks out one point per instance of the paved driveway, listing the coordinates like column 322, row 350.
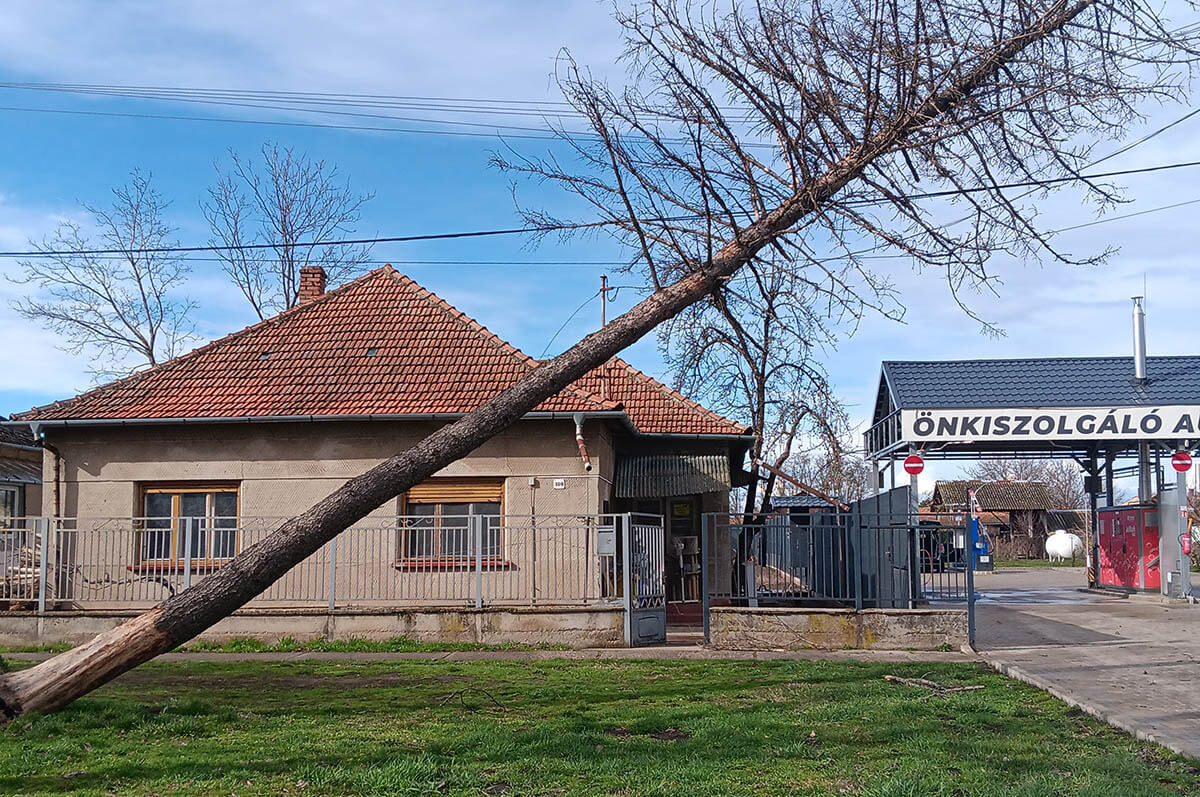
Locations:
column 1131, row 661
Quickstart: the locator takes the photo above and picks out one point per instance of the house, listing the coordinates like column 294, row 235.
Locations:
column 1013, row 514
column 188, row 462
column 20, row 473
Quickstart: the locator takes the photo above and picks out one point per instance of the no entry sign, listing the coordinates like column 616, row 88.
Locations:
column 1181, row 461
column 913, row 464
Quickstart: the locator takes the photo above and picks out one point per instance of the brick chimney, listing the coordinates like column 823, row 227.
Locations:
column 312, row 283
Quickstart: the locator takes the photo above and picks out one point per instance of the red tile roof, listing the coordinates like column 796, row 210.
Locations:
column 381, row 345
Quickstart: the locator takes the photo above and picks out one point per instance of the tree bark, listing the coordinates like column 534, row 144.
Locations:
column 58, row 681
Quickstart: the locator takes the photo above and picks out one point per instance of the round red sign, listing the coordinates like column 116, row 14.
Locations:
column 913, row 464
column 1181, row 461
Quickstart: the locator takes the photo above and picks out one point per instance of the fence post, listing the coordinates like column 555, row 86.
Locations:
column 972, row 533
column 751, row 586
column 187, row 551
column 44, row 532
column 477, row 522
column 333, row 573
column 706, row 524
column 627, row 576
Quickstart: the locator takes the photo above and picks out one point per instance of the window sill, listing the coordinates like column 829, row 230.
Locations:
column 440, row 563
column 176, row 567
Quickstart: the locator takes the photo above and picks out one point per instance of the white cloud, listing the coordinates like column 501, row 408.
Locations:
column 501, row 49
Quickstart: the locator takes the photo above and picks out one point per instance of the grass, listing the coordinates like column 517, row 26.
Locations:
column 575, row 727
column 393, row 645
column 1038, row 563
column 289, row 645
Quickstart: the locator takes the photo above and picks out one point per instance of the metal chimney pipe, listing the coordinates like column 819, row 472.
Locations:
column 1139, row 340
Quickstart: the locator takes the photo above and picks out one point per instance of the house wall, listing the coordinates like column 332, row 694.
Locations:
column 282, row 469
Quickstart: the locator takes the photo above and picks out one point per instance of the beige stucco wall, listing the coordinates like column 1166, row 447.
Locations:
column 282, row 469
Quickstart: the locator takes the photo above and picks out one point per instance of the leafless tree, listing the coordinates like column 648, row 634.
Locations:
column 838, row 471
column 747, row 351
column 285, row 206
column 124, row 308
column 782, row 126
column 1063, row 478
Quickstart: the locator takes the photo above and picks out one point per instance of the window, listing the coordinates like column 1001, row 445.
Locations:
column 9, row 505
column 438, row 527
column 211, row 512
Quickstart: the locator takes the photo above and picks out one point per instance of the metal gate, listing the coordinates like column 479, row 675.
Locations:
column 645, row 591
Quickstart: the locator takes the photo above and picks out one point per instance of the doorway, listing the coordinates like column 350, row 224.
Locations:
column 682, row 514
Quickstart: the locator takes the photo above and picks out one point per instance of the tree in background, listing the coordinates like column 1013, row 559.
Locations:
column 747, row 350
column 839, row 471
column 1063, row 478
column 750, row 130
column 285, row 205
column 122, row 309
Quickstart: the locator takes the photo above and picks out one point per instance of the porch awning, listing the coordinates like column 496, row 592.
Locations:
column 666, row 475
column 20, row 471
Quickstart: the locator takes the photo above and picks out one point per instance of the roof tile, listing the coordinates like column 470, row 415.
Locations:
column 428, row 357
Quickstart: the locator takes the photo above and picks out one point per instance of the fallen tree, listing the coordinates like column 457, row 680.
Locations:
column 870, row 95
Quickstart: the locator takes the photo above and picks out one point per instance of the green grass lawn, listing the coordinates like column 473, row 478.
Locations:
column 1038, row 563
column 289, row 645
column 576, row 727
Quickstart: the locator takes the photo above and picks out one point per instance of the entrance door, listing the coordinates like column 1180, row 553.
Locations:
column 645, row 588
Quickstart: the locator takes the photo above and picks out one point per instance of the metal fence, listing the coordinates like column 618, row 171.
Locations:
column 468, row 560
column 834, row 559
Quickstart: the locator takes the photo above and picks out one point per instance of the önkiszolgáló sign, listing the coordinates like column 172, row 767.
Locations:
column 1073, row 423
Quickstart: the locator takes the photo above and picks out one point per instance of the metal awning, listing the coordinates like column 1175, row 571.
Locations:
column 666, row 475
column 20, row 471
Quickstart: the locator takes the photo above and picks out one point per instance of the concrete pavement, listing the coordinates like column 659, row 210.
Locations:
column 1133, row 662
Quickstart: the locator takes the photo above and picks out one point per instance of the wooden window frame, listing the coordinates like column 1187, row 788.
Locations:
column 175, row 560
column 450, row 490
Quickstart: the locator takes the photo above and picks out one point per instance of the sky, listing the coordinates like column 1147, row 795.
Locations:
column 443, row 183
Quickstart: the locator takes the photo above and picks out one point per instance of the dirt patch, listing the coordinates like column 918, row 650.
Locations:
column 671, row 735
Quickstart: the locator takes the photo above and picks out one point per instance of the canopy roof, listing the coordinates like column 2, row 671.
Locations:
column 1075, row 407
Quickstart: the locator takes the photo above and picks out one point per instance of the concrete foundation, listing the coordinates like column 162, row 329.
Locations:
column 739, row 628
column 575, row 627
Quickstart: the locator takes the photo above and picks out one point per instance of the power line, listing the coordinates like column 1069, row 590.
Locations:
column 576, row 226
column 570, row 318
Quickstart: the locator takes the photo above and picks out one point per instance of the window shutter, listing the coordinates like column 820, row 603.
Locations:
column 457, row 491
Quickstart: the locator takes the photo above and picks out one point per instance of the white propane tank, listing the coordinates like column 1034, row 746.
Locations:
column 1062, row 545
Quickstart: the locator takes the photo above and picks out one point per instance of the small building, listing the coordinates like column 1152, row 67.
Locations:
column 164, row 475
column 20, row 473
column 1013, row 514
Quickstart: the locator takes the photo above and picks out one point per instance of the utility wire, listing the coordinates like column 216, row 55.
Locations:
column 570, row 318
column 575, row 226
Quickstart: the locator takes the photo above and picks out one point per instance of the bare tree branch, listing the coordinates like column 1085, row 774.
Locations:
column 283, row 200
column 123, row 311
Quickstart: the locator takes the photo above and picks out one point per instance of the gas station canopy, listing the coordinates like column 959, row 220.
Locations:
column 1071, row 407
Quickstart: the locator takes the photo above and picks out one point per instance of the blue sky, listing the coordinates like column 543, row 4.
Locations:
column 443, row 183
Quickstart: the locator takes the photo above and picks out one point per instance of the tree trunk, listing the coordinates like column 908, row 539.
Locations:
column 55, row 683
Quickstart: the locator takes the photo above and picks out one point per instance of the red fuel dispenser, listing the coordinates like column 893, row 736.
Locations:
column 1128, row 543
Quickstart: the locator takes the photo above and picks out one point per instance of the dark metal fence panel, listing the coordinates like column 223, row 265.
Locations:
column 853, row 559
